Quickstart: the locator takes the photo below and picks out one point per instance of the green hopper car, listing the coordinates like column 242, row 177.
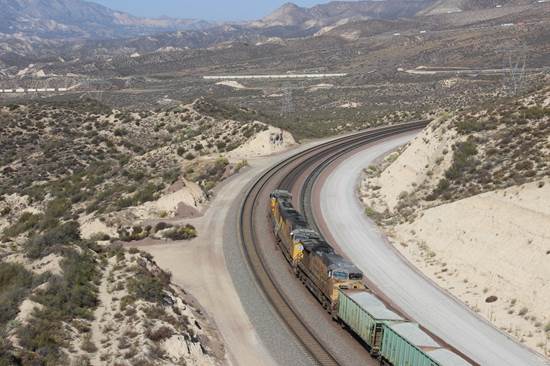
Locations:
column 405, row 344
column 365, row 314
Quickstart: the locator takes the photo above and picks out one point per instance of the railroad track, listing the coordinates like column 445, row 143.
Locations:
column 285, row 175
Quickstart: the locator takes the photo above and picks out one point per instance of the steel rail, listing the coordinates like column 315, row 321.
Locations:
column 249, row 238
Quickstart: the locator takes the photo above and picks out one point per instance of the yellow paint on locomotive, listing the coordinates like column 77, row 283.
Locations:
column 273, row 205
column 297, row 251
column 336, row 285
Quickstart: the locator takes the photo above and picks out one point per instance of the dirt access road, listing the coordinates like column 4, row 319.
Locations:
column 213, row 269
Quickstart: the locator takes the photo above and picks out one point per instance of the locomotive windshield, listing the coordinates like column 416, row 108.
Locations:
column 355, row 276
column 339, row 275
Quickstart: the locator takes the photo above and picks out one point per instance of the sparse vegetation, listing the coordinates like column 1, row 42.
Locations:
column 66, row 298
column 148, row 286
column 463, row 160
column 43, row 244
column 181, row 233
column 160, row 334
column 15, row 285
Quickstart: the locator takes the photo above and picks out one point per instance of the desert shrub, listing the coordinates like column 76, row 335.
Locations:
column 74, row 294
column 463, row 159
column 120, row 132
column 221, row 163
column 7, row 354
column 373, row 214
column 40, row 244
column 66, row 298
column 248, row 131
column 535, row 112
column 15, row 285
column 232, row 146
column 137, row 233
column 189, row 156
column 58, row 207
column 43, row 338
column 441, row 188
column 241, row 164
column 524, row 165
column 100, row 237
column 87, row 345
column 208, row 185
column 26, row 222
column 181, row 233
column 146, row 286
column 162, row 225
column 159, row 334
column 146, row 194
column 171, row 175
column 469, row 126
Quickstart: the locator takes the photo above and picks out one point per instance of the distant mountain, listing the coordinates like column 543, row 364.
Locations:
column 455, row 6
column 77, row 19
column 45, row 31
column 339, row 12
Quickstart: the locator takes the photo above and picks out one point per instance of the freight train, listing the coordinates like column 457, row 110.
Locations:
column 338, row 286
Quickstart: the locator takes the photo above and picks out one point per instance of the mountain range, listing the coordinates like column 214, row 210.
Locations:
column 341, row 11
column 77, row 19
column 84, row 20
column 44, row 30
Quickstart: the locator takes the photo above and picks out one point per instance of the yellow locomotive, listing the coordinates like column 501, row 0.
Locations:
column 314, row 261
column 337, row 284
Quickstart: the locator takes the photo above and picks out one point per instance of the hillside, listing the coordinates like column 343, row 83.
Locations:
column 79, row 180
column 466, row 202
column 66, row 19
column 457, row 6
column 338, row 12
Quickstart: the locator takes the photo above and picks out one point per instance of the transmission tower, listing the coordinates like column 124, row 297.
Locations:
column 288, row 104
column 515, row 61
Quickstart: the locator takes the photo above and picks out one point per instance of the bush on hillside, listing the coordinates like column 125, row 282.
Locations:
column 186, row 232
column 463, row 159
column 15, row 284
column 41, row 245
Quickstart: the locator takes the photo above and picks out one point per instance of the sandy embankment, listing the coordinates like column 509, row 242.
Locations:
column 493, row 244
column 431, row 148
column 265, row 143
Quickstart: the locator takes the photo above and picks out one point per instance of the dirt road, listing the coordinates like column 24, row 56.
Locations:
column 212, row 268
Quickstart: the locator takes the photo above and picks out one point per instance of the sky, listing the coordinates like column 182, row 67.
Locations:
column 216, row 10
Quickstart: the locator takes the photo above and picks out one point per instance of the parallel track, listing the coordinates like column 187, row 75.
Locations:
column 291, row 169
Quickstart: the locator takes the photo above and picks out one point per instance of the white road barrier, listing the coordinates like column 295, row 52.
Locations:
column 282, row 76
column 34, row 90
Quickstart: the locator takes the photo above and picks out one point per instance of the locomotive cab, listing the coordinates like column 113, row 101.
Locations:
column 279, row 195
column 343, row 275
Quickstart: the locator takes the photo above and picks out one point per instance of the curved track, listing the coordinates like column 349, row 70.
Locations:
column 285, row 175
